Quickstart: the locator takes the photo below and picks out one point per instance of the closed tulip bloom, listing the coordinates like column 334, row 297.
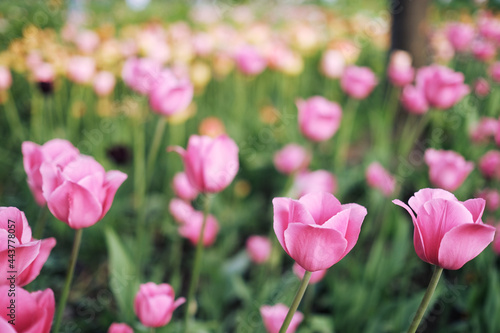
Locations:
column 180, row 210
column 316, row 230
column 210, row 163
column 5, row 78
column 332, row 64
column 488, row 26
column 314, row 181
column 497, row 135
column 81, row 193
column 319, row 119
column 104, row 83
column 170, row 95
column 494, row 71
column 30, row 254
column 315, row 276
column 358, row 82
column 377, row 177
column 447, row 169
column 183, row 188
column 496, row 241
column 291, row 159
column 460, row 36
column 485, row 130
column 489, row 164
column 492, row 198
column 274, row 316
column 44, row 72
column 259, row 249
column 448, row 233
column 400, row 71
column 190, row 228
column 57, row 152
column 87, row 41
column 140, row 74
column 413, row 100
column 154, row 304
column 33, row 311
column 120, row 328
column 250, row 61
column 483, row 50
column 81, row 69
column 481, row 87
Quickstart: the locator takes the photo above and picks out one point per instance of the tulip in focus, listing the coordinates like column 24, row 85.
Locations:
column 291, row 159
column 447, row 169
column 33, row 312
column 81, row 69
column 400, row 71
column 413, row 100
column 210, row 163
column 315, row 276
column 104, row 83
column 358, row 82
column 170, row 95
column 332, row 64
column 274, row 316
column 30, row 254
column 319, row 119
column 316, row 230
column 120, row 328
column 377, row 177
column 314, row 181
column 154, row 304
column 191, row 227
column 460, row 36
column 489, row 164
column 249, row 60
column 183, row 188
column 259, row 249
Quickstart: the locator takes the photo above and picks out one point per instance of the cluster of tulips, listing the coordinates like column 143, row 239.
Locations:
column 169, row 69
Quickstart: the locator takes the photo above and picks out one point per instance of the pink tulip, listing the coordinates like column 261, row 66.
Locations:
column 497, row 135
column 481, row 87
column 316, row 230
column 274, row 316
column 291, row 159
column 483, row 50
column 120, row 328
column 5, row 78
column 377, row 177
column 34, row 59
column 489, row 164
column 413, row 99
column 210, row 163
column 190, row 228
column 492, row 198
column 259, row 249
column 141, row 74
column 448, row 233
column 332, row 64
column 57, row 151
column 314, row 181
column 250, row 61
column 485, row 130
column 315, row 276
column 489, row 27
column 154, row 304
column 44, row 73
column 183, row 188
column 33, row 311
column 447, row 169
column 495, row 71
column 104, row 83
column 319, row 119
column 460, row 36
column 81, row 193
column 81, row 69
column 180, row 210
column 170, row 95
column 496, row 241
column 358, row 82
column 442, row 87
column 400, row 71
column 30, row 254
column 87, row 41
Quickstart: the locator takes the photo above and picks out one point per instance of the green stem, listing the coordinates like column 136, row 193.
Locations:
column 425, row 301
column 196, row 266
column 69, row 278
column 13, row 117
column 345, row 132
column 155, row 146
column 296, row 301
column 139, row 188
column 152, row 330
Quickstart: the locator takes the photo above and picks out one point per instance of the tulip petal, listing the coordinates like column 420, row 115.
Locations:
column 356, row 217
column 314, row 248
column 33, row 270
column 220, row 164
column 417, row 234
column 5, row 327
column 46, row 303
column 464, row 243
column 321, row 205
column 114, row 179
column 476, row 208
column 24, row 256
column 51, row 178
column 426, row 194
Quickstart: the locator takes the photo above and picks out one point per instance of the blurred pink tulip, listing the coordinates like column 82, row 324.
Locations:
column 319, row 119
column 57, row 152
column 460, row 36
column 314, row 181
column 489, row 26
column 30, row 254
column 315, row 276
column 104, row 83
column 448, row 233
column 358, row 82
column 497, row 135
column 274, row 316
column 447, row 169
column 180, row 210
column 141, row 74
column 190, row 228
column 210, row 163
column 81, row 69
column 81, row 193
column 413, row 100
column 120, row 328
column 494, row 71
column 154, row 304
column 485, row 130
column 377, row 177
column 291, row 159
column 259, row 249
column 250, row 61
column 492, row 198
column 5, row 78
column 496, row 241
column 183, row 188
column 481, row 87
column 87, row 41
column 33, row 312
column 400, row 71
column 170, row 95
column 44, row 73
column 332, row 64
column 489, row 164
column 316, row 230
column 483, row 50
